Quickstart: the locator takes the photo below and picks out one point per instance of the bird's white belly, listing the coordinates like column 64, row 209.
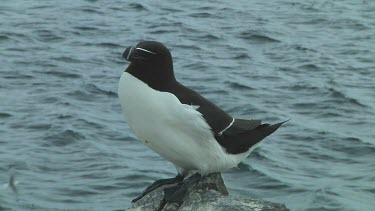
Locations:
column 152, row 115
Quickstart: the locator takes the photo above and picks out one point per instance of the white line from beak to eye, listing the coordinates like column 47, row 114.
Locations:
column 146, row 50
column 130, row 52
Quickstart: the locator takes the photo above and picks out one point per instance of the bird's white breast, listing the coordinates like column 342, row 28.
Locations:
column 175, row 131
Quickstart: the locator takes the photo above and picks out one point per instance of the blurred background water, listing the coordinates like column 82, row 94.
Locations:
column 64, row 139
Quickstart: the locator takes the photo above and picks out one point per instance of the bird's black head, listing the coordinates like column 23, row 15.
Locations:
column 151, row 62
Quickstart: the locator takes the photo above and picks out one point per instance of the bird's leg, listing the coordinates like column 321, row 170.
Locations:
column 176, row 194
column 159, row 183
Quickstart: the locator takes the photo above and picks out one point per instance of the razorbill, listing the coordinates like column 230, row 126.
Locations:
column 178, row 123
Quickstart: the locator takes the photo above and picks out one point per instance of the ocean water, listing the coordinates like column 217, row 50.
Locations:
column 65, row 141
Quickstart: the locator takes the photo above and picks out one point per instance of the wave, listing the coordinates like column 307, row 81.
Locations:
column 92, row 10
column 89, row 93
column 340, row 97
column 110, row 45
column 138, row 7
column 62, row 74
column 201, row 15
column 310, row 67
column 76, row 192
column 92, row 88
column 5, row 115
column 3, row 37
column 45, row 35
column 163, row 31
column 66, row 59
column 256, row 38
column 239, row 86
column 63, row 138
column 86, row 28
column 300, row 86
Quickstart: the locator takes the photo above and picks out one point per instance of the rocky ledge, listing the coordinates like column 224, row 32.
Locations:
column 207, row 193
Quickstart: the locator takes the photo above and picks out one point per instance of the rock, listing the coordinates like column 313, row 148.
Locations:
column 203, row 193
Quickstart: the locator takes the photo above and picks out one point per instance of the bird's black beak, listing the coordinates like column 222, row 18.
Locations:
column 127, row 53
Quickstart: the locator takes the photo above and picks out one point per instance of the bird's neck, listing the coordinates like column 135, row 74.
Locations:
column 158, row 78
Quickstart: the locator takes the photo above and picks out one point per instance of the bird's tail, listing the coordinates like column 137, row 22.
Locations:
column 267, row 129
column 247, row 140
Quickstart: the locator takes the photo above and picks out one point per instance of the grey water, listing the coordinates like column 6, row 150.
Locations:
column 66, row 145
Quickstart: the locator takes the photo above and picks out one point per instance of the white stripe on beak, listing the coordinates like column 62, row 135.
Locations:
column 130, row 52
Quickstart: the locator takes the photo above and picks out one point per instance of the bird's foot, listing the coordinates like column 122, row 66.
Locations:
column 177, row 193
column 159, row 183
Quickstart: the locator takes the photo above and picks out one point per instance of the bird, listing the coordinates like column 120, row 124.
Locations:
column 179, row 124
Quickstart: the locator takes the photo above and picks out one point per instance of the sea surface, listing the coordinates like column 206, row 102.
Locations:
column 67, row 146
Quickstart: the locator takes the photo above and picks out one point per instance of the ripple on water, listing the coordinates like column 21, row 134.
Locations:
column 45, row 35
column 311, row 67
column 238, row 86
column 240, row 56
column 339, row 97
column 16, row 75
column 66, row 59
column 204, row 36
column 138, row 7
column 61, row 74
column 302, row 48
column 103, row 187
column 86, row 28
column 63, row 138
column 92, row 10
column 39, row 126
column 303, row 86
column 256, row 38
column 76, row 192
column 49, row 99
column 3, row 38
column 92, row 88
column 162, row 31
column 89, row 124
column 353, row 147
column 16, row 36
column 110, row 45
column 5, row 115
column 201, row 15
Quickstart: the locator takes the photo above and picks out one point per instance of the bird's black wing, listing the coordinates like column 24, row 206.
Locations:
column 215, row 117
column 241, row 125
column 240, row 136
